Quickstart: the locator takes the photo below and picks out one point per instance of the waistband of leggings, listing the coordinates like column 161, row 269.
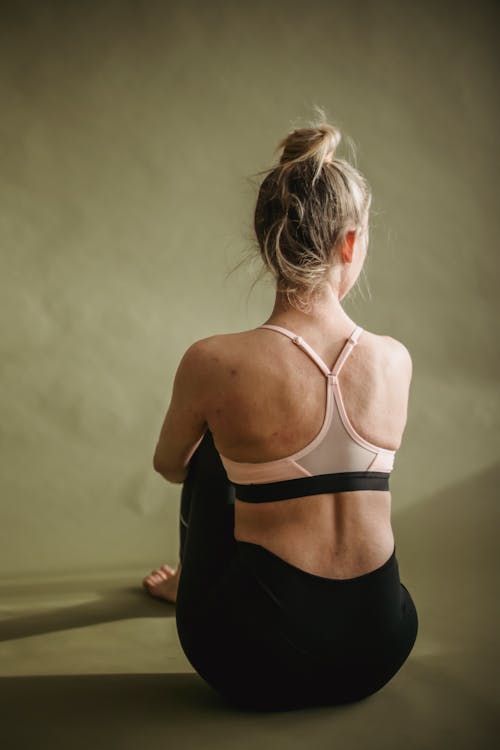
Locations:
column 262, row 558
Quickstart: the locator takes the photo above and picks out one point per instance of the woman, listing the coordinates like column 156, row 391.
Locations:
column 288, row 591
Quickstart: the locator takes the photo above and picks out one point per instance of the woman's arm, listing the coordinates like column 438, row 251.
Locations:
column 184, row 425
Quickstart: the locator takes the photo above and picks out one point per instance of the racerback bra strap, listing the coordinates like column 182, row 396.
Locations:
column 348, row 347
column 299, row 341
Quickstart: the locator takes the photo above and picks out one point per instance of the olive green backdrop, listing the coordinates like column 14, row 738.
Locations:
column 130, row 132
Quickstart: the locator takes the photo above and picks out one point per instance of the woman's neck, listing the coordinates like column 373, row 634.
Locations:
column 325, row 307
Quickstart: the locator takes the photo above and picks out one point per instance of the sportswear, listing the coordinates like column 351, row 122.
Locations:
column 338, row 459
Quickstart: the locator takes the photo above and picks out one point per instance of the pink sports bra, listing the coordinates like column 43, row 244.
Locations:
column 338, row 459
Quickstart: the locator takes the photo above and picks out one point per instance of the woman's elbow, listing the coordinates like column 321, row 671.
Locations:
column 168, row 473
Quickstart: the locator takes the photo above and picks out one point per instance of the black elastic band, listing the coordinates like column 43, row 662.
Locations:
column 342, row 481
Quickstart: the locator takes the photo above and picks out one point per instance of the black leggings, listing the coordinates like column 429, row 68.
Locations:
column 267, row 635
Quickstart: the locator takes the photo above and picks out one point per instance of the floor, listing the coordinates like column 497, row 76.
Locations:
column 95, row 662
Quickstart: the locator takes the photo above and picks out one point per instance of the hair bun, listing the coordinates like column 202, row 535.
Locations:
column 317, row 143
column 305, row 209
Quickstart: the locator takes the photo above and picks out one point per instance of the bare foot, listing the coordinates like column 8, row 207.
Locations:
column 163, row 582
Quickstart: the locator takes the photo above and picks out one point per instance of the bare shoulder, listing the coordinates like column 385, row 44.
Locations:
column 391, row 352
column 208, row 354
column 389, row 370
column 398, row 356
column 210, row 347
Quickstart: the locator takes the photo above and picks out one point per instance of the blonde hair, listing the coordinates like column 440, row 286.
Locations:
column 305, row 206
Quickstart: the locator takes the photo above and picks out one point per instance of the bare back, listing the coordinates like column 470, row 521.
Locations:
column 266, row 400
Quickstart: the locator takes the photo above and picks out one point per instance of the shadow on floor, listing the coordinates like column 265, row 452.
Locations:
column 156, row 711
column 110, row 604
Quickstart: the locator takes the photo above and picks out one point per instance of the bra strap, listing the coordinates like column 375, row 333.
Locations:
column 348, row 347
column 299, row 341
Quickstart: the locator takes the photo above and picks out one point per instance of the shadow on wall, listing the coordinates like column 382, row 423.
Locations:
column 449, row 558
column 448, row 551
